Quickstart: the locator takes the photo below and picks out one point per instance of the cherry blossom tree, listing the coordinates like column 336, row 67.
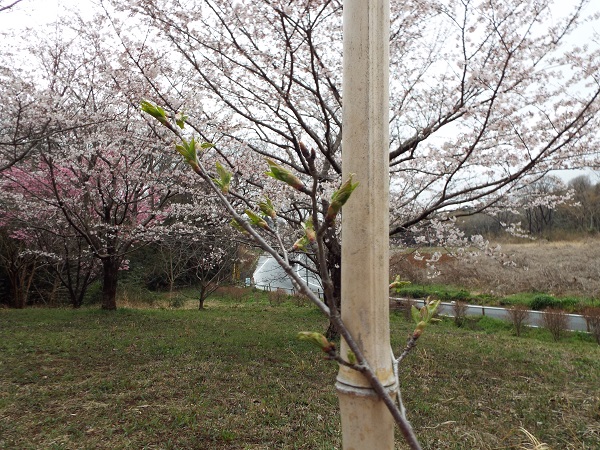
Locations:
column 110, row 182
column 35, row 94
column 204, row 255
column 19, row 266
column 36, row 234
column 485, row 97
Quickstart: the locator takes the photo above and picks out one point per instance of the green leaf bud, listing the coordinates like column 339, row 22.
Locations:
column 397, row 284
column 267, row 208
column 180, row 119
column 235, row 224
column 300, row 244
column 317, row 339
column 224, row 178
column 282, row 174
column 188, row 150
column 309, row 229
column 257, row 220
column 155, row 111
column 415, row 313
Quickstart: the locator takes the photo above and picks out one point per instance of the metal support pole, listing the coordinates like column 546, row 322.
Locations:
column 366, row 422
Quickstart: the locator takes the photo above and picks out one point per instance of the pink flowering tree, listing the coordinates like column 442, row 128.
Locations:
column 108, row 195
column 40, row 239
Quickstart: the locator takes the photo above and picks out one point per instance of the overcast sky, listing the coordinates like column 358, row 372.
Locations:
column 36, row 13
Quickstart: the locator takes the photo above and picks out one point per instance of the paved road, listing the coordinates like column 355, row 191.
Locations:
column 270, row 276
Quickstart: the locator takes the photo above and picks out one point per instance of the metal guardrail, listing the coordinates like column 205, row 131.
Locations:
column 576, row 322
column 292, row 291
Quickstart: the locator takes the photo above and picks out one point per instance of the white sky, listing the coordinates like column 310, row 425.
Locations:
column 34, row 12
column 39, row 12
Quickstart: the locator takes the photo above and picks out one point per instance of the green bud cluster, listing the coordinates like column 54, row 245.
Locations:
column 267, row 208
column 424, row 316
column 224, row 178
column 188, row 149
column 339, row 199
column 398, row 284
column 255, row 219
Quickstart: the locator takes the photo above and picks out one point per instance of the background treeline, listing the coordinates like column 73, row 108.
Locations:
column 35, row 280
column 554, row 211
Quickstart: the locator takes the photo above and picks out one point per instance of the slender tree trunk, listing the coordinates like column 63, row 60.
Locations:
column 110, row 275
column 334, row 263
column 17, row 296
column 203, row 294
column 20, row 279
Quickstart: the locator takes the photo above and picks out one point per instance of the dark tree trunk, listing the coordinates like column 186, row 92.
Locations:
column 110, row 275
column 17, row 296
column 334, row 264
column 20, row 279
column 76, row 280
column 203, row 295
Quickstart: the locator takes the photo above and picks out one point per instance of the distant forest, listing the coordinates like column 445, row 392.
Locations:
column 555, row 211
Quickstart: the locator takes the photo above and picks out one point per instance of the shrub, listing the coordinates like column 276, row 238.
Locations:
column 133, row 294
column 300, row 299
column 177, row 301
column 568, row 303
column 412, row 291
column 556, row 321
column 457, row 295
column 543, row 301
column 277, row 297
column 233, row 292
column 592, row 320
column 460, row 313
column 519, row 315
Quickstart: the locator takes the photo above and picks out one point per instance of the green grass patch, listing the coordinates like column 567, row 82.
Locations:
column 235, row 377
column 534, row 300
column 437, row 292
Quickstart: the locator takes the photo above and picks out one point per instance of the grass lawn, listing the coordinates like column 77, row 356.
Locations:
column 235, row 377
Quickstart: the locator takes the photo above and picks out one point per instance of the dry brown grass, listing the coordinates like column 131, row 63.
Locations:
column 234, row 292
column 460, row 313
column 558, row 268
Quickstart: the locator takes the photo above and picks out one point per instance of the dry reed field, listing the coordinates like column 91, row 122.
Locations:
column 557, row 268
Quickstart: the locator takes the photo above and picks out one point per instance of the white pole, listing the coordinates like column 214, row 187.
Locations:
column 366, row 422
